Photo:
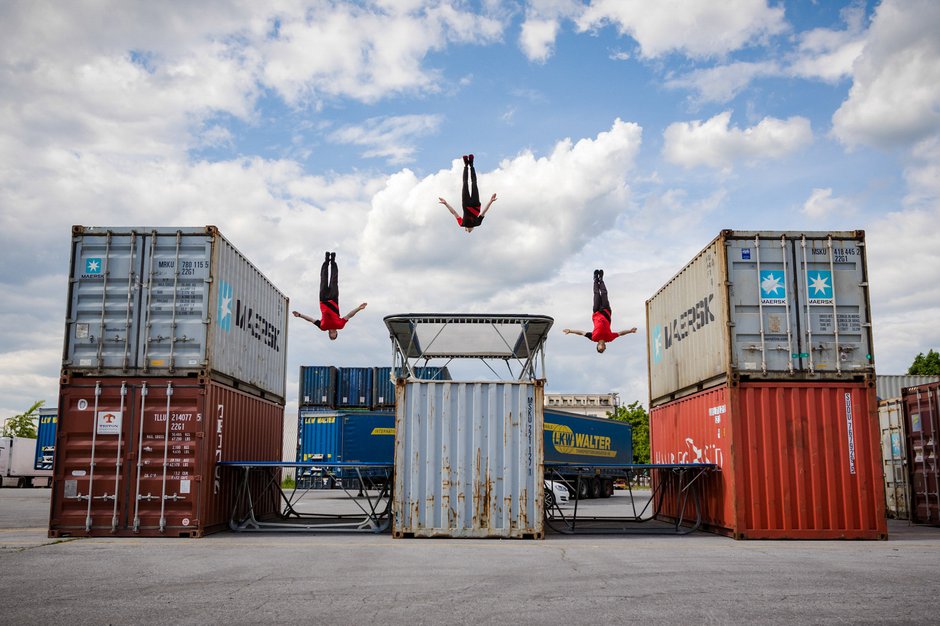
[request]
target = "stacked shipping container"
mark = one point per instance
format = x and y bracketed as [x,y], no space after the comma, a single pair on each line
[922,422]
[174,360]
[760,360]
[325,387]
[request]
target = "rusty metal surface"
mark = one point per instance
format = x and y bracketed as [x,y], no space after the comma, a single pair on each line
[894,456]
[468,459]
[922,417]
[798,460]
[148,476]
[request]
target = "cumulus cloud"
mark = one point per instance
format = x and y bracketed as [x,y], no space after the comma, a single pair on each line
[695,28]
[895,95]
[713,143]
[543,19]
[722,83]
[822,205]
[547,207]
[829,54]
[392,138]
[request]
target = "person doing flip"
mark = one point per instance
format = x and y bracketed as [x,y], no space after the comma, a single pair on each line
[472,215]
[602,332]
[330,321]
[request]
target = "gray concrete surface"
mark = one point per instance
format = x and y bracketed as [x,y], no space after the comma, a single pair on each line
[340,579]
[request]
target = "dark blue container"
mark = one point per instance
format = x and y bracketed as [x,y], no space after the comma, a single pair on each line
[354,387]
[45,438]
[572,438]
[317,386]
[338,437]
[383,396]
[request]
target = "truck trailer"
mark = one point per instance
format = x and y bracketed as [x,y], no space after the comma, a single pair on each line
[591,441]
[17,460]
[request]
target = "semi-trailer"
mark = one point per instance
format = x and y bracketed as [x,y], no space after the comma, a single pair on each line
[17,460]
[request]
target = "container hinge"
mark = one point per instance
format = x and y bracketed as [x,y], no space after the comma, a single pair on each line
[200,434]
[864,284]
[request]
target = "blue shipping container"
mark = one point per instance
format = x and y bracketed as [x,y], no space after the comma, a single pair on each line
[572,438]
[384,394]
[338,437]
[45,438]
[354,387]
[317,385]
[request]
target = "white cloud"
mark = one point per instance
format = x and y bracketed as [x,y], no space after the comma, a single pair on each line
[713,143]
[695,28]
[392,138]
[895,95]
[822,205]
[830,54]
[722,83]
[540,27]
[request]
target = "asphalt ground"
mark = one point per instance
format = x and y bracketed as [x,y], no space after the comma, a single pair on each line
[237,578]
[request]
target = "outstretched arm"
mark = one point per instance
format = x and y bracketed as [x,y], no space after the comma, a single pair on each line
[626,332]
[349,315]
[488,205]
[569,331]
[449,208]
[304,317]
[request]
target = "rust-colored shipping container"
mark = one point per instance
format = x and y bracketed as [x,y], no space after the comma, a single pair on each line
[922,419]
[146,451]
[797,460]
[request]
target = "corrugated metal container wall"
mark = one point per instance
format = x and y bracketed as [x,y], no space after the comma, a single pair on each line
[894,455]
[768,305]
[320,436]
[798,460]
[149,476]
[317,385]
[922,419]
[354,387]
[889,386]
[45,438]
[384,386]
[468,459]
[172,302]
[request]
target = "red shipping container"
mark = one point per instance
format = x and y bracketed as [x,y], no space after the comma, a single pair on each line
[148,475]
[797,460]
[922,423]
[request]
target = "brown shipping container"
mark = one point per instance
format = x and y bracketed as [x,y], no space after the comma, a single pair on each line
[922,419]
[797,460]
[111,444]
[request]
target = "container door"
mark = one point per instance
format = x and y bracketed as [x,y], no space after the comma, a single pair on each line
[104,302]
[832,283]
[894,455]
[91,491]
[175,301]
[763,308]
[922,413]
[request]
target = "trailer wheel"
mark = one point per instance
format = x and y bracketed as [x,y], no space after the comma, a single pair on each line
[607,489]
[584,489]
[21,483]
[596,488]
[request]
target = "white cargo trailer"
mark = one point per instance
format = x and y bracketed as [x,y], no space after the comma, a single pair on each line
[173,302]
[17,463]
[762,305]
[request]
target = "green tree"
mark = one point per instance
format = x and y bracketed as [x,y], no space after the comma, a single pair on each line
[24,424]
[635,415]
[925,364]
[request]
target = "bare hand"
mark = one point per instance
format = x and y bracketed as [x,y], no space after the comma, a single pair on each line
[443,201]
[632,330]
[493,199]
[295,313]
[567,331]
[363,305]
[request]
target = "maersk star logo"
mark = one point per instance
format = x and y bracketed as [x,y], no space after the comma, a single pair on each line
[819,285]
[657,342]
[225,306]
[93,266]
[773,290]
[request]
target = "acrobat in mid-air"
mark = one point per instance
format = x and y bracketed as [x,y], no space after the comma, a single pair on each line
[602,332]
[472,213]
[330,321]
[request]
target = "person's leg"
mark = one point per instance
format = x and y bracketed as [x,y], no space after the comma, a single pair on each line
[601,302]
[333,290]
[465,191]
[474,192]
[324,279]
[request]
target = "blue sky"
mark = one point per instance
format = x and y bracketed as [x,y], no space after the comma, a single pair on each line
[617,134]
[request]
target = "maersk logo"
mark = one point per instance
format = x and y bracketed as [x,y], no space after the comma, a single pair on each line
[773,290]
[819,286]
[656,342]
[225,306]
[93,265]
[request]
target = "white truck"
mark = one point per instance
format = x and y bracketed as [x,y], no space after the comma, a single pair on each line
[17,461]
